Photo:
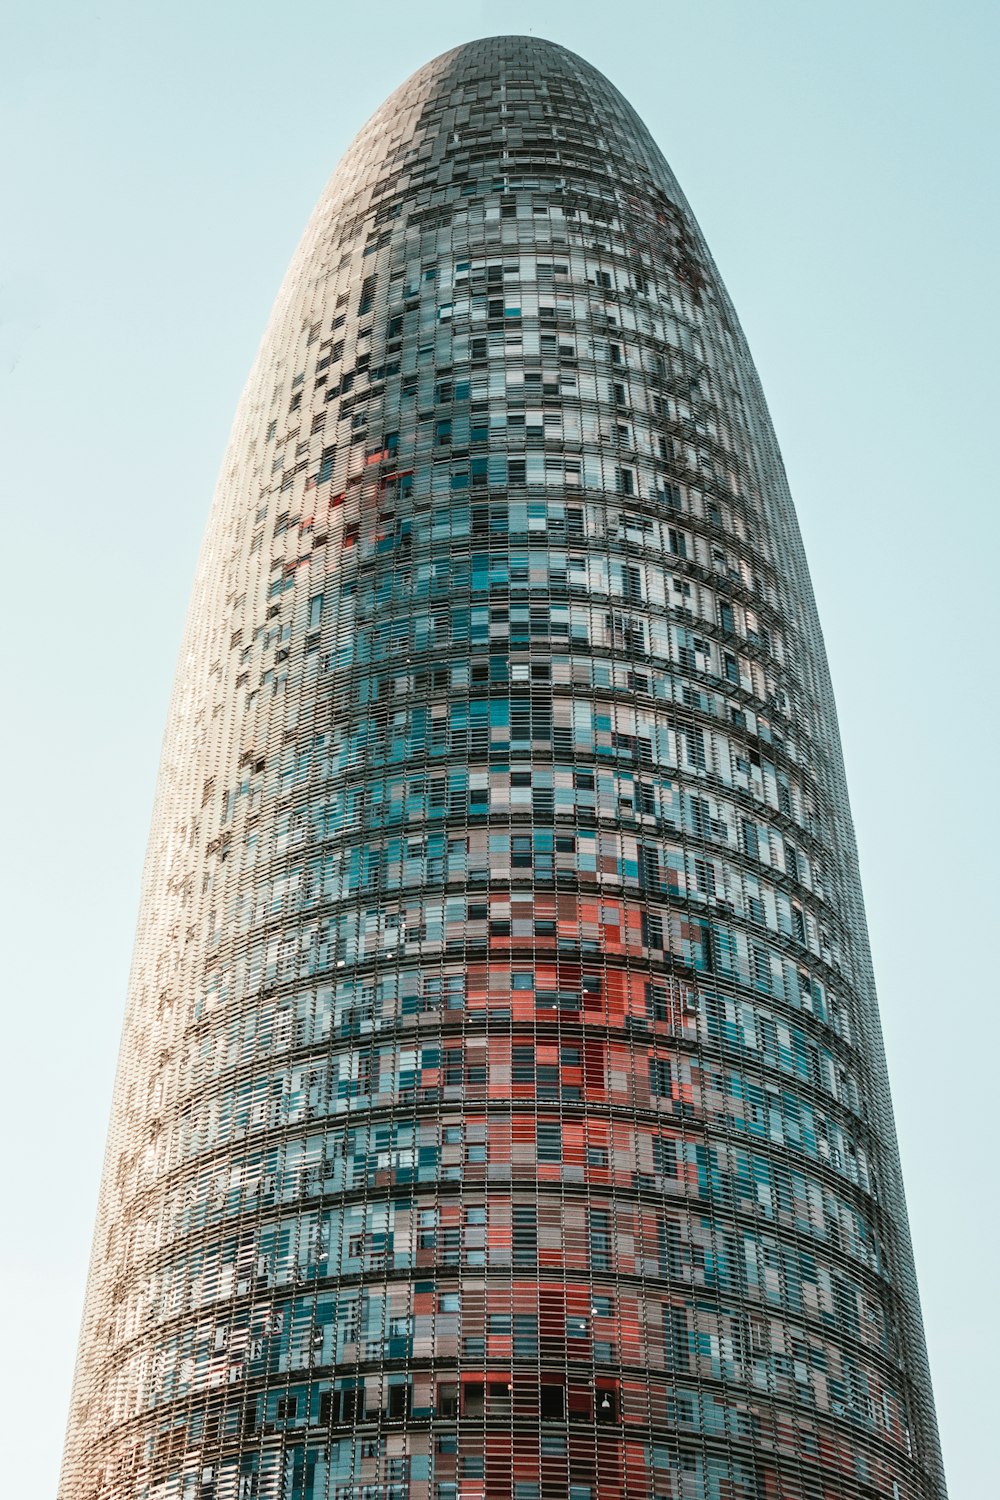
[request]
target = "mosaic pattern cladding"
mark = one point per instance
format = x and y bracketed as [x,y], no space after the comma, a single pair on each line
[501,1110]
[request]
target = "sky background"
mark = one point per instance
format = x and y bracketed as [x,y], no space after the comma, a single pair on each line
[159,164]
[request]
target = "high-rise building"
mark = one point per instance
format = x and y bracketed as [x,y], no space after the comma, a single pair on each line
[502,1109]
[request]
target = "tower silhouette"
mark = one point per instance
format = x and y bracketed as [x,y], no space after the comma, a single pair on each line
[502,1109]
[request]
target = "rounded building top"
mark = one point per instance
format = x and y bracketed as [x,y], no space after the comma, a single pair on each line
[486,53]
[538,92]
[497,116]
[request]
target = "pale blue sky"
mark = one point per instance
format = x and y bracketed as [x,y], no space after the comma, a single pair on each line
[160,162]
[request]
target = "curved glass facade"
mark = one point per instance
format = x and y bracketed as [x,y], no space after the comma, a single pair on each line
[501,1108]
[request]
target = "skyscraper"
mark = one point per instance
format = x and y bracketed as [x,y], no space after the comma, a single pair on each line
[502,1109]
